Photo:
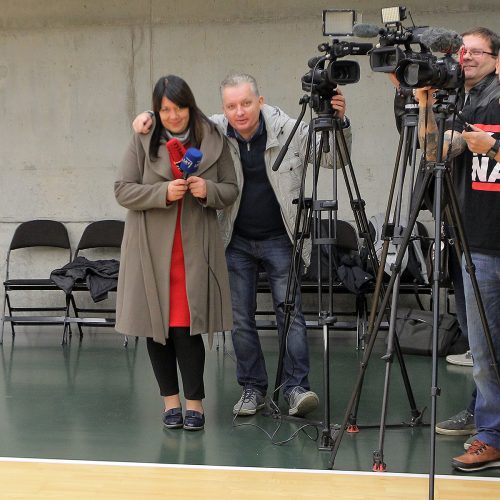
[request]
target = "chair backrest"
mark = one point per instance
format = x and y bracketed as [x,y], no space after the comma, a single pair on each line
[346,243]
[102,234]
[40,233]
[346,236]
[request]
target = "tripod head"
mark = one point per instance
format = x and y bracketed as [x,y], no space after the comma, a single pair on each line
[446,102]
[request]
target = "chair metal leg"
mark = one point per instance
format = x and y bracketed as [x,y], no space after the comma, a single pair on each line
[3,317]
[66,324]
[75,309]
[10,314]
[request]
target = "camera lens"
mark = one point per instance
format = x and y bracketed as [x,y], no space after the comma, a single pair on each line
[411,74]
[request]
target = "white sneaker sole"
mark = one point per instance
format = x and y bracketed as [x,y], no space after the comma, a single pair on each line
[455,432]
[488,465]
[459,360]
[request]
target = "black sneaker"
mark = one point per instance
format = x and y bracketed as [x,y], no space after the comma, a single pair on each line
[460,424]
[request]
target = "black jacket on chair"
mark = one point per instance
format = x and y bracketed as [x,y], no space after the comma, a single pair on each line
[100,276]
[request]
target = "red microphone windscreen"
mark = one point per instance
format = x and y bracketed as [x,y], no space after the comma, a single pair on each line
[176,150]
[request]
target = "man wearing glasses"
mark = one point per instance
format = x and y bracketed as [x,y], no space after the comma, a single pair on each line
[477,175]
[482,87]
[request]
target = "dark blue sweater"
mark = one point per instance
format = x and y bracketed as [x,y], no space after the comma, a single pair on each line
[259,214]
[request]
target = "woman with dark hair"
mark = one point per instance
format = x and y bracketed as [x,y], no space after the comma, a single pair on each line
[173,283]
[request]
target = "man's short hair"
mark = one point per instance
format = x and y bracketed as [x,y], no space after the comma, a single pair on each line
[235,79]
[490,36]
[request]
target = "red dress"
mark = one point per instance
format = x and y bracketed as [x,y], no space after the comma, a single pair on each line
[179,306]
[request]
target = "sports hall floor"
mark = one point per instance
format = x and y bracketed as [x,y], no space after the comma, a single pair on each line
[84,420]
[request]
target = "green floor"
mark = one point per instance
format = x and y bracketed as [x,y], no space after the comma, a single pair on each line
[96,400]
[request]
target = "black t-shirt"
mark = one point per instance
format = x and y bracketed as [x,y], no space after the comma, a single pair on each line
[481,188]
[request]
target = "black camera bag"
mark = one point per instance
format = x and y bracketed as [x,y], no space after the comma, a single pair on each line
[414,331]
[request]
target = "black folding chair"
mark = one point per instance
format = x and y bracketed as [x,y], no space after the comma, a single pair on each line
[49,234]
[99,235]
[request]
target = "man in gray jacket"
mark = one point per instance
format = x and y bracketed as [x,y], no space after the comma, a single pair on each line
[258,233]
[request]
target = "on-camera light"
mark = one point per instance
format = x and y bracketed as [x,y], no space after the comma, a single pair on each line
[392,15]
[338,22]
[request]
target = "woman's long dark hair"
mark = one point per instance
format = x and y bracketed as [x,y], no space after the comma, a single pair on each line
[177,90]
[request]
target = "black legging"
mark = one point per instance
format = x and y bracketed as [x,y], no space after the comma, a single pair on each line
[186,350]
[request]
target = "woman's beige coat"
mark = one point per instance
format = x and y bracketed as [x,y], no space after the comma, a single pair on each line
[143,283]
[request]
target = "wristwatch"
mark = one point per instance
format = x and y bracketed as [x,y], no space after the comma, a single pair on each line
[494,150]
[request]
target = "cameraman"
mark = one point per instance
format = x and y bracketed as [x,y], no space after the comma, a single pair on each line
[258,232]
[476,169]
[481,88]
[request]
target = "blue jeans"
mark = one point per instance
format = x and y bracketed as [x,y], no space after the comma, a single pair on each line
[487,411]
[243,260]
[455,271]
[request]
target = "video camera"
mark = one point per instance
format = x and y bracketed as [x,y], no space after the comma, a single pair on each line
[388,53]
[322,81]
[445,73]
[414,69]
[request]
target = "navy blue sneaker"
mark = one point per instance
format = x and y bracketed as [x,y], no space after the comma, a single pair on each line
[172,419]
[194,420]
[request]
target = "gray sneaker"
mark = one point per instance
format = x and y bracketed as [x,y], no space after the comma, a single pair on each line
[460,424]
[250,401]
[301,402]
[460,359]
[469,441]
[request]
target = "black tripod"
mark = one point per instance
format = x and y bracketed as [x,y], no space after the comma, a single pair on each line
[439,173]
[391,232]
[312,212]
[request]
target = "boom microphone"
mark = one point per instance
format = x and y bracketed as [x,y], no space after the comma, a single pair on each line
[176,150]
[190,162]
[442,40]
[367,30]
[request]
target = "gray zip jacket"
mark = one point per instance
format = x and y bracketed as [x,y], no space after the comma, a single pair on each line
[286,181]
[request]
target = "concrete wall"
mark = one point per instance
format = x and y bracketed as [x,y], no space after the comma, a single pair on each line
[73,74]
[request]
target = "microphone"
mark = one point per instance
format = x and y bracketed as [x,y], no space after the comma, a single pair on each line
[441,40]
[367,30]
[176,150]
[190,162]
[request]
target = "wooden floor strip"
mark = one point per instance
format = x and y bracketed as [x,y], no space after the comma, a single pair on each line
[63,479]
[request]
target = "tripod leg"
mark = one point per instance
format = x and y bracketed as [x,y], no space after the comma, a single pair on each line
[436,284]
[326,436]
[304,217]
[404,154]
[409,138]
[372,337]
